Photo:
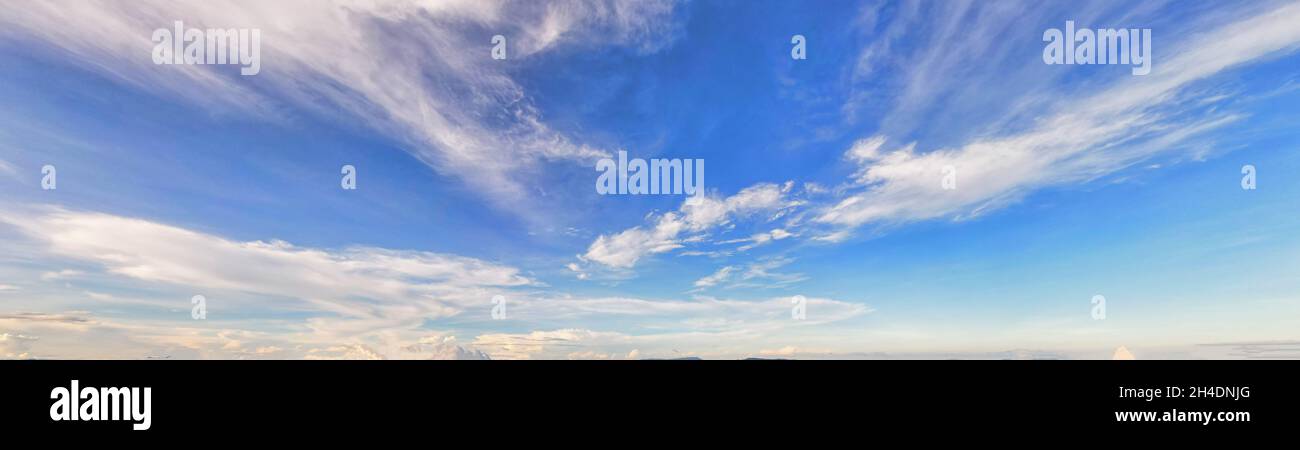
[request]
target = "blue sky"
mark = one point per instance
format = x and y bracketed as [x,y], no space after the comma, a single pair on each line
[475,179]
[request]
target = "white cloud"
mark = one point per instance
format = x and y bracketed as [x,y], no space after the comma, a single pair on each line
[420,71]
[345,352]
[665,312]
[697,214]
[759,239]
[788,350]
[360,302]
[765,270]
[380,285]
[1087,138]
[578,271]
[445,348]
[624,249]
[867,149]
[589,354]
[539,343]
[43,335]
[16,346]
[61,275]
[732,327]
[758,274]
[715,278]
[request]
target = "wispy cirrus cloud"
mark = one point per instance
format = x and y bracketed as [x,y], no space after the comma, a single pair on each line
[418,71]
[1076,140]
[714,278]
[1121,125]
[759,274]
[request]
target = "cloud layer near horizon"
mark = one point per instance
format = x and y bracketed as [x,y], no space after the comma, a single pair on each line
[371,298]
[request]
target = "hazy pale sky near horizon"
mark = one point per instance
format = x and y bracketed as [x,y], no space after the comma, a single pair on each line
[823,176]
